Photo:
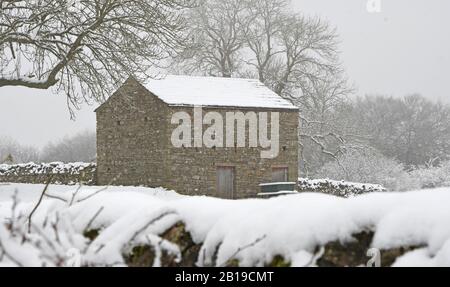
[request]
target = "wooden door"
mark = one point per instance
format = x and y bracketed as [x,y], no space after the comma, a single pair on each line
[279,174]
[225,182]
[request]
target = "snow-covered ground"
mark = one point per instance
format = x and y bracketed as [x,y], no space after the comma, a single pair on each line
[32,192]
[292,226]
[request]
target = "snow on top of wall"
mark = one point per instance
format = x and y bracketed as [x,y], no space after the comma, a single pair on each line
[318,183]
[42,168]
[291,226]
[216,92]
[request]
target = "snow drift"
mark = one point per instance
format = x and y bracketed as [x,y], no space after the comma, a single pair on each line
[296,228]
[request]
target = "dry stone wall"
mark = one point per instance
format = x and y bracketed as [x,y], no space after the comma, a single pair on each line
[58,173]
[337,188]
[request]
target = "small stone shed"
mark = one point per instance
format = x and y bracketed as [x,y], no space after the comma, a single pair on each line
[135,129]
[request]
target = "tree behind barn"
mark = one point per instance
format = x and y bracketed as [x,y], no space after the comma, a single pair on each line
[413,130]
[11,152]
[294,55]
[78,148]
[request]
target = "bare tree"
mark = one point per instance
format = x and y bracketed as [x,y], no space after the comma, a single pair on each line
[258,38]
[297,57]
[294,55]
[324,132]
[85,48]
[289,51]
[262,34]
[414,130]
[78,148]
[366,166]
[216,38]
[12,152]
[310,51]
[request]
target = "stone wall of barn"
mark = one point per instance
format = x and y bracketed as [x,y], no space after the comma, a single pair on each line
[131,140]
[134,148]
[193,171]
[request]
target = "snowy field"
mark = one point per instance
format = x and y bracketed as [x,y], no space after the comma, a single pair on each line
[293,226]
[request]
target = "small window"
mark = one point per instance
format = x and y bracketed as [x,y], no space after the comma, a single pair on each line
[280,174]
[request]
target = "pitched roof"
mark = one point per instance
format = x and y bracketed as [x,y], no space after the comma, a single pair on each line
[217,92]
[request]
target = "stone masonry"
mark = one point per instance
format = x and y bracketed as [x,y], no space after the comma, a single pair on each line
[134,148]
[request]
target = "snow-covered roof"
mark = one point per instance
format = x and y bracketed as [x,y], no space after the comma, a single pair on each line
[217,92]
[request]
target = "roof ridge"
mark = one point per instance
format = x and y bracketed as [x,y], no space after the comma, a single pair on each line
[213,78]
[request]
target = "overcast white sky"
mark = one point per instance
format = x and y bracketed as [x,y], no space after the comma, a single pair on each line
[402,50]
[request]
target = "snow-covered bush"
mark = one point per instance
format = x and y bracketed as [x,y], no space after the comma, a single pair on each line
[57,234]
[366,166]
[372,167]
[48,243]
[431,177]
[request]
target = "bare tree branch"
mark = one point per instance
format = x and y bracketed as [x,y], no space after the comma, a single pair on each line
[38,203]
[86,48]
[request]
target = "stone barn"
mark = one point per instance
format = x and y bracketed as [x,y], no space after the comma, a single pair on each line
[138,136]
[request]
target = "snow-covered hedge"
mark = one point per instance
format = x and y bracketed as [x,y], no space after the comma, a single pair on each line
[69,173]
[338,188]
[116,228]
[429,177]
